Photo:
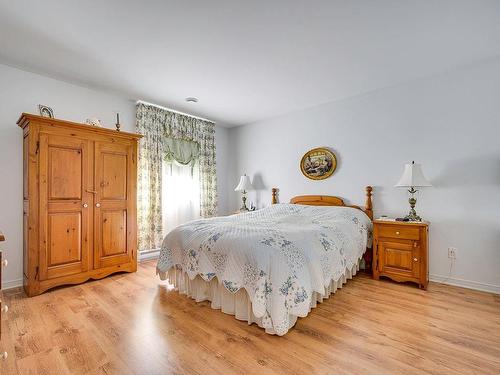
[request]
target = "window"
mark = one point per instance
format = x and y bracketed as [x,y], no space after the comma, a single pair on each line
[180,194]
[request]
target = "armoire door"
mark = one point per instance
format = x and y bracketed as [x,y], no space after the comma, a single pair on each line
[114,204]
[65,207]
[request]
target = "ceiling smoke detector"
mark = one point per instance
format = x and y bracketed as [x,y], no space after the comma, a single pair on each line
[191,99]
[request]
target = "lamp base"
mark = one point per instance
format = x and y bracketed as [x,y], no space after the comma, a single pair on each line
[244,202]
[412,215]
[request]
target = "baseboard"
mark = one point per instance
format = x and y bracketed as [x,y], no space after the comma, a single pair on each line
[148,255]
[12,284]
[465,283]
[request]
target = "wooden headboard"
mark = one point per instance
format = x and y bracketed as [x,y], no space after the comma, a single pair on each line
[327,200]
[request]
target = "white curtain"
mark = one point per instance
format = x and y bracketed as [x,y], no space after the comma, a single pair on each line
[180,194]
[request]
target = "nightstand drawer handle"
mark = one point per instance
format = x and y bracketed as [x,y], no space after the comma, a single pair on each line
[5,262]
[5,308]
[397,232]
[415,259]
[3,356]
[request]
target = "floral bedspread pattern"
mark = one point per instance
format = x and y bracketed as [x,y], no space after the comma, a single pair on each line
[280,254]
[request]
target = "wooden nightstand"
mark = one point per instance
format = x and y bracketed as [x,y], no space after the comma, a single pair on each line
[400,251]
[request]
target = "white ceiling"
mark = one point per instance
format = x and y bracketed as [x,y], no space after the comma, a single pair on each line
[245,60]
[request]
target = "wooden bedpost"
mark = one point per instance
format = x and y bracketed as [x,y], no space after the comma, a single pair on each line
[368,255]
[368,204]
[274,200]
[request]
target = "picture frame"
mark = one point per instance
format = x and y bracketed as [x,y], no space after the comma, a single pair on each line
[318,163]
[45,111]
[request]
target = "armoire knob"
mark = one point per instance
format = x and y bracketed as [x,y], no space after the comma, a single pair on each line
[85,205]
[5,308]
[5,262]
[98,205]
[3,356]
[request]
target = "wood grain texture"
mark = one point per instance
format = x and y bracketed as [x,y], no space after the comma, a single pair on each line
[114,220]
[317,200]
[26,118]
[274,198]
[3,305]
[401,251]
[1,296]
[133,324]
[79,208]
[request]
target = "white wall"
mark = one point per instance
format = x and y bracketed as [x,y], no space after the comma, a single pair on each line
[449,123]
[21,91]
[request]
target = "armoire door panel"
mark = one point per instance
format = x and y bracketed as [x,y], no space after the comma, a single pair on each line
[114,234]
[64,234]
[114,175]
[113,227]
[65,172]
[65,218]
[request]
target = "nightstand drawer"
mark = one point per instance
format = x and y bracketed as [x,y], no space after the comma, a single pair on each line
[404,232]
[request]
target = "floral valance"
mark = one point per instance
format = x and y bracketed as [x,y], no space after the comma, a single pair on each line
[181,151]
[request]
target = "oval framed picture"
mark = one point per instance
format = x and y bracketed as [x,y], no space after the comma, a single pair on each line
[318,163]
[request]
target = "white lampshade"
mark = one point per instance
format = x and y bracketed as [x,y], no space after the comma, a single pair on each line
[244,184]
[413,176]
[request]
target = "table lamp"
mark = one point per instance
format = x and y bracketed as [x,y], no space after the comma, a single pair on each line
[244,186]
[412,177]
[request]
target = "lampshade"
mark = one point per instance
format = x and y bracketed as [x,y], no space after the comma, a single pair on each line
[412,176]
[244,184]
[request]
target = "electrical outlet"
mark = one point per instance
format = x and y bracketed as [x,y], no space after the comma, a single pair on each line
[452,252]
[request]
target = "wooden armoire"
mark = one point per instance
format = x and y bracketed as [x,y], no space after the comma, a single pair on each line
[80,219]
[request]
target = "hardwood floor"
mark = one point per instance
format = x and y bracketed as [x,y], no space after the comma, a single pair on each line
[132,324]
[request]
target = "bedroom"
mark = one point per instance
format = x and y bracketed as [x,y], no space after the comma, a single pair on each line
[141,117]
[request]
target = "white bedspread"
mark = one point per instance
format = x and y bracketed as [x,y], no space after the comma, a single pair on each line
[280,255]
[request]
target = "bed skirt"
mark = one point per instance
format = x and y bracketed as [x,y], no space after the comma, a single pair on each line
[239,304]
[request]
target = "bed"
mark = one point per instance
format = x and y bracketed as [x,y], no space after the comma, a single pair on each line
[273,265]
